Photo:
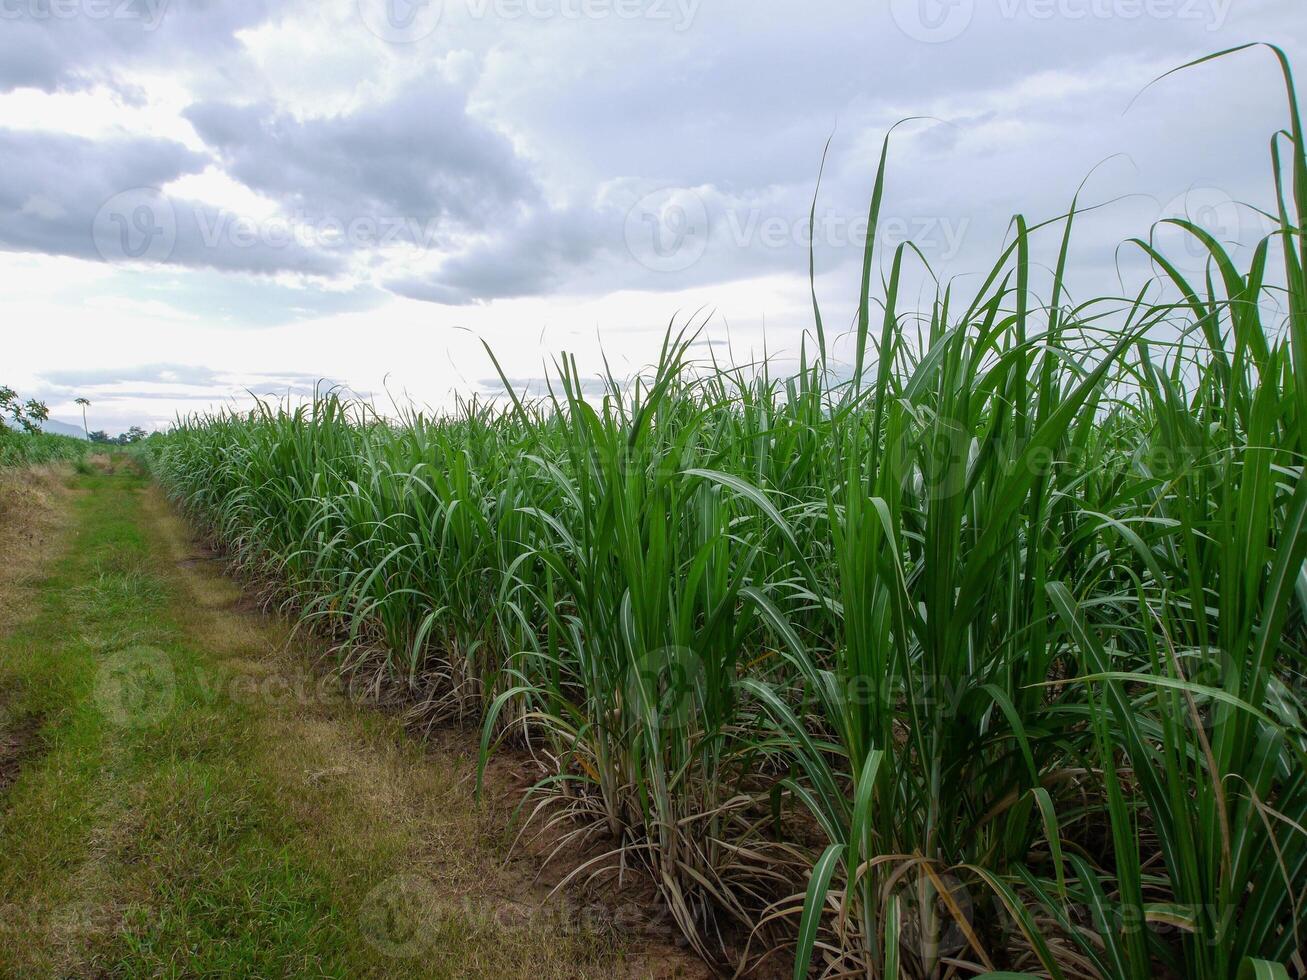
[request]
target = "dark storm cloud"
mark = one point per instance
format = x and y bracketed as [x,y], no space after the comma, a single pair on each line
[55,184]
[428,173]
[607,122]
[99,200]
[532,256]
[417,160]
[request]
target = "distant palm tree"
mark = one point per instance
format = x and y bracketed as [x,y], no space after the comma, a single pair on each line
[84,403]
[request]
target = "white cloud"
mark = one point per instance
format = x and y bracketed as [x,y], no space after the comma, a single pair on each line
[511,149]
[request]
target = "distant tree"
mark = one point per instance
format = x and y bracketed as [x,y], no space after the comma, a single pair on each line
[85,403]
[26,415]
[135,434]
[99,435]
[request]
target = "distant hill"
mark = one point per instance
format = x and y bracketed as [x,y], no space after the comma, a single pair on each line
[63,429]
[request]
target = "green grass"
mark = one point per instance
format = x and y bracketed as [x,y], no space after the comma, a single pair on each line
[167,822]
[991,654]
[28,449]
[120,829]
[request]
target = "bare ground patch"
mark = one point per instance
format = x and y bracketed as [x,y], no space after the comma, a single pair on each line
[18,742]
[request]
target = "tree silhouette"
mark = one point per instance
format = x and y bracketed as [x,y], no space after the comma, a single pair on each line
[84,402]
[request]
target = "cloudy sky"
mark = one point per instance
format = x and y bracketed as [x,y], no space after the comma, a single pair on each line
[205,197]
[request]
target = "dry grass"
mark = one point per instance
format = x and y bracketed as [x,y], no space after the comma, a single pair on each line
[369,790]
[31,502]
